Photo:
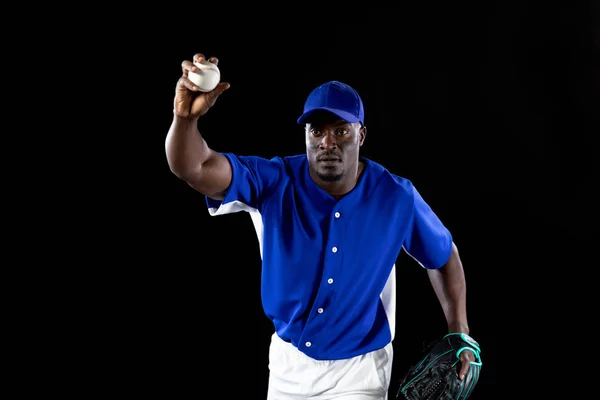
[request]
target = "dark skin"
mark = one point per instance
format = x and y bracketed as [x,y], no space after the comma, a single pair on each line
[451,290]
[332,149]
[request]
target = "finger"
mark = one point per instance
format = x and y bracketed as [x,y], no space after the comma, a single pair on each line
[464,369]
[465,361]
[188,84]
[199,57]
[187,66]
[214,60]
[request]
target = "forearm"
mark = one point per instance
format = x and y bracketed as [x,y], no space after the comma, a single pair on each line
[186,149]
[450,287]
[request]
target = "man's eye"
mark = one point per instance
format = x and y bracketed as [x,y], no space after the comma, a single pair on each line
[341,132]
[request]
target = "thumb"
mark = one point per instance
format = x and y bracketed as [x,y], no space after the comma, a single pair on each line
[216,92]
[221,87]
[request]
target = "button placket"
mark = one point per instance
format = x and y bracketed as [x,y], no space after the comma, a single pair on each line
[334,249]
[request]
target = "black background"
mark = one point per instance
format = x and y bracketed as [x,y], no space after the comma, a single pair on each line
[491,110]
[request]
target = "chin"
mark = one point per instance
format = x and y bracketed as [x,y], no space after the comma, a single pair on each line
[330,176]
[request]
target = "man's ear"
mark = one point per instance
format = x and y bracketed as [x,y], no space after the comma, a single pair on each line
[363,134]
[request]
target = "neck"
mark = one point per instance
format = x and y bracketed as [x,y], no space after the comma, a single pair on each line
[344,186]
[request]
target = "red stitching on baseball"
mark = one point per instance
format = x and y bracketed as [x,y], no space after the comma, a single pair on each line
[210,69]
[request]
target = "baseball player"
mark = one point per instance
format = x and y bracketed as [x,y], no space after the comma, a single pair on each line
[330,225]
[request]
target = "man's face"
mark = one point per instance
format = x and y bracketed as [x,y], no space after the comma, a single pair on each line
[332,146]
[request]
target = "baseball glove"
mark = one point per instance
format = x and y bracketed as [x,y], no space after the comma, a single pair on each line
[435,376]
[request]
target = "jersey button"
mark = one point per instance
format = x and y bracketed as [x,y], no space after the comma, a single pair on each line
[308,344]
[320,311]
[337,214]
[334,249]
[330,281]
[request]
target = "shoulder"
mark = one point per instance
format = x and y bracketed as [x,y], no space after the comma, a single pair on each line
[293,165]
[272,168]
[389,180]
[255,162]
[294,161]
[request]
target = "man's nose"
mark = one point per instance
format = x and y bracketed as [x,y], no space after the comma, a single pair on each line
[329,141]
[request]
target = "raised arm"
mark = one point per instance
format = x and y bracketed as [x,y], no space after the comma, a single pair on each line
[188,155]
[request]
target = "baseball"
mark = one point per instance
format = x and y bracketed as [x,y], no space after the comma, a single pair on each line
[207,77]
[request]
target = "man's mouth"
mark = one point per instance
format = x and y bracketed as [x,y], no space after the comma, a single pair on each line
[329,159]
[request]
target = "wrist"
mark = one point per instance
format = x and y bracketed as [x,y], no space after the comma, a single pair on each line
[184,118]
[458,328]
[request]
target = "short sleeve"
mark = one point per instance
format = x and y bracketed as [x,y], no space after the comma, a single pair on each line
[428,241]
[253,178]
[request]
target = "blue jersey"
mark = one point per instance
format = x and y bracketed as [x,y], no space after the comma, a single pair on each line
[328,266]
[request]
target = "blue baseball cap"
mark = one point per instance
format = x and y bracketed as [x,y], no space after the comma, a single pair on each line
[337,98]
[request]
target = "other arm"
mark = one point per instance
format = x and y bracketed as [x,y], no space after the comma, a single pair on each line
[450,287]
[429,243]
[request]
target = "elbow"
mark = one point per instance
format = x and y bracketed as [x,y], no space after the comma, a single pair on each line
[453,259]
[184,169]
[181,164]
[177,169]
[454,251]
[185,173]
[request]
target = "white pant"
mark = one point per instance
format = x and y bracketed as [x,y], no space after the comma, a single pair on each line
[295,376]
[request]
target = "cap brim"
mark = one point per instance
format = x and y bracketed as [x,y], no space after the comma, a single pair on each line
[346,116]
